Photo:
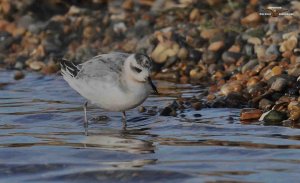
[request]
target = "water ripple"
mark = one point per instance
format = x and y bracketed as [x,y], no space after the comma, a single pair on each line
[42,140]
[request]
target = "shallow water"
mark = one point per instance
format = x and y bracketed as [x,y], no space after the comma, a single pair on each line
[42,140]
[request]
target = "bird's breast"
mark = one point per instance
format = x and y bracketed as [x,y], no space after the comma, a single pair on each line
[120,99]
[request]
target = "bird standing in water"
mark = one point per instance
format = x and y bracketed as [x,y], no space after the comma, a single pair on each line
[113,82]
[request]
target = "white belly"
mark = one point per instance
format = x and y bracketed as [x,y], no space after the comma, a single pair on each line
[110,96]
[117,100]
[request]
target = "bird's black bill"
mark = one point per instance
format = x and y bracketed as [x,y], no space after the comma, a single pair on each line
[152,85]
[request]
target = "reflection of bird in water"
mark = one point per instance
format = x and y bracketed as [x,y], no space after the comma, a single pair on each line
[275,12]
[135,163]
[119,143]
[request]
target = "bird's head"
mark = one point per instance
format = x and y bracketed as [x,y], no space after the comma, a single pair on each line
[139,67]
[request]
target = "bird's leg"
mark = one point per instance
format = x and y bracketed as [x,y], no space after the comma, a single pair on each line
[123,115]
[124,120]
[86,124]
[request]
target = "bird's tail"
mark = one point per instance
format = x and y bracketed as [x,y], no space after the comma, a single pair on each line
[68,67]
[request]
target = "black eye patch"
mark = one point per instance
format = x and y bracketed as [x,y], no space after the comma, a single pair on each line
[138,70]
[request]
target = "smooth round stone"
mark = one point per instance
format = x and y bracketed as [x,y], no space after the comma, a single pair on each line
[250,114]
[19,65]
[265,104]
[279,84]
[19,75]
[273,117]
[142,109]
[36,65]
[273,50]
[209,57]
[277,70]
[195,55]
[251,19]
[216,46]
[230,57]
[249,65]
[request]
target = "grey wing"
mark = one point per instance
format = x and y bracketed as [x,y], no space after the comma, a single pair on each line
[103,66]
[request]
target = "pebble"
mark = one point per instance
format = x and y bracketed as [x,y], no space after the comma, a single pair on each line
[276,38]
[50,68]
[271,54]
[212,69]
[265,104]
[216,46]
[142,28]
[6,7]
[36,65]
[228,88]
[210,97]
[120,28]
[260,52]
[218,76]
[194,15]
[249,65]
[279,84]
[74,10]
[19,65]
[128,5]
[163,51]
[267,74]
[254,40]
[197,105]
[252,19]
[289,44]
[171,76]
[273,117]
[277,70]
[230,57]
[19,75]
[52,44]
[294,70]
[294,111]
[249,50]
[182,53]
[235,48]
[252,81]
[235,100]
[213,2]
[89,32]
[209,57]
[6,40]
[170,110]
[195,55]
[293,91]
[194,73]
[19,31]
[173,50]
[250,114]
[141,109]
[209,33]
[130,45]
[281,106]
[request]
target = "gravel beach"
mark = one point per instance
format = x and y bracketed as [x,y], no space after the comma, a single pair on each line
[247,53]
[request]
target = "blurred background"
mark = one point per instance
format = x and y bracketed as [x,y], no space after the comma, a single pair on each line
[213,60]
[206,36]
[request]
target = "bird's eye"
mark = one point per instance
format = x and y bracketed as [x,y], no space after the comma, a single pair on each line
[138,70]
